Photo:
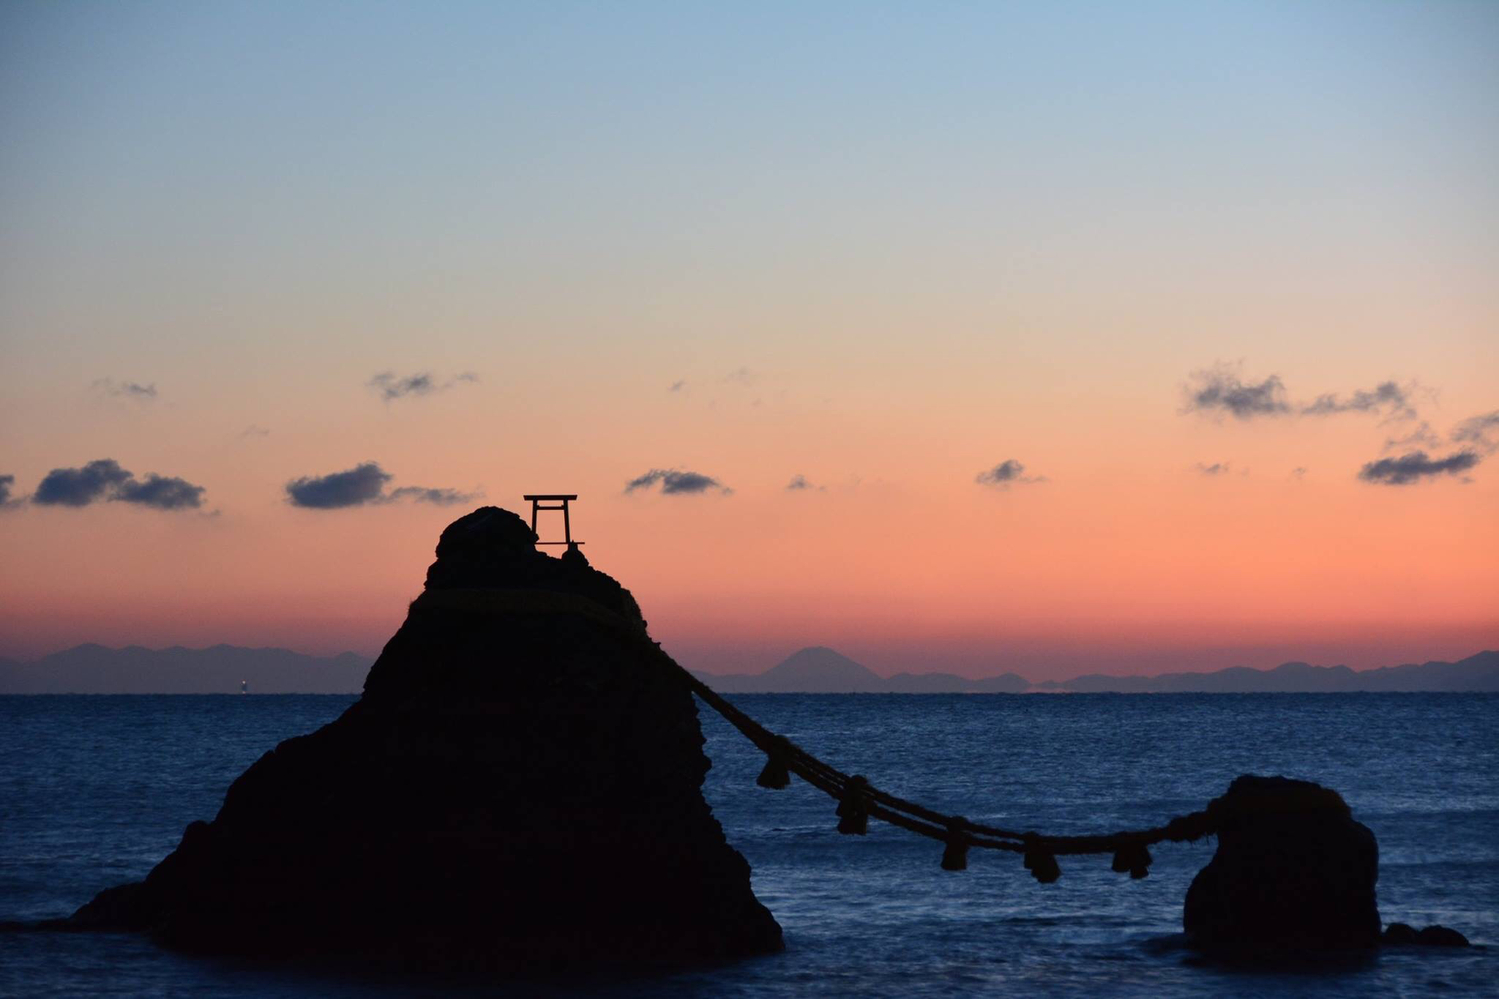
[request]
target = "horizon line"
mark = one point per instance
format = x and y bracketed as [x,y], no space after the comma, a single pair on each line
[711,673]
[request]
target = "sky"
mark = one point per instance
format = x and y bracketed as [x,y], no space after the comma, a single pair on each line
[1047,338]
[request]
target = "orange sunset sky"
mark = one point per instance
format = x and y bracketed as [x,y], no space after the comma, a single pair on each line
[1049,339]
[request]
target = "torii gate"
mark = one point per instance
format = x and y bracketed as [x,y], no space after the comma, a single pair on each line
[560,500]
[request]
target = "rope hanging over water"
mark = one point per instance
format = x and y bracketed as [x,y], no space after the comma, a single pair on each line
[859,801]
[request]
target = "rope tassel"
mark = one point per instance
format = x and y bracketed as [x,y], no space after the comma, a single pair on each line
[1134,858]
[775,775]
[955,855]
[1042,864]
[853,810]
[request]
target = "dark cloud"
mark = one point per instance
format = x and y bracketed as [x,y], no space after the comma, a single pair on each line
[421,494]
[7,483]
[80,486]
[106,480]
[1216,468]
[1415,466]
[1386,397]
[1219,389]
[131,390]
[1480,431]
[674,481]
[363,485]
[393,386]
[161,492]
[1476,437]
[359,485]
[1005,474]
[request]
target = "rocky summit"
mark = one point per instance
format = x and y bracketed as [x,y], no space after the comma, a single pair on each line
[518,789]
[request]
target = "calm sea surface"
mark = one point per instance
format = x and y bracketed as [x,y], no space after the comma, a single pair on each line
[95,790]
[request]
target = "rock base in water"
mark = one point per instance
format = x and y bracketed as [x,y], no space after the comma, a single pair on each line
[519,789]
[1405,935]
[1293,873]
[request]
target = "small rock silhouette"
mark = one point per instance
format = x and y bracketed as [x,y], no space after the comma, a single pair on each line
[1293,872]
[1405,935]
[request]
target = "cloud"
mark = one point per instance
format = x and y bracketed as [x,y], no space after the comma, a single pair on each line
[7,483]
[1005,474]
[799,483]
[743,376]
[1422,436]
[106,480]
[255,431]
[80,486]
[422,494]
[161,492]
[1220,389]
[1216,468]
[1299,472]
[1480,431]
[675,482]
[364,483]
[1415,466]
[393,386]
[130,390]
[678,385]
[1384,396]
[1475,438]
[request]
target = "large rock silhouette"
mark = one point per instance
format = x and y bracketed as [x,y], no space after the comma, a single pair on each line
[1293,873]
[519,788]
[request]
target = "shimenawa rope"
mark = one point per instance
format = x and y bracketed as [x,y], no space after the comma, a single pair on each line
[859,801]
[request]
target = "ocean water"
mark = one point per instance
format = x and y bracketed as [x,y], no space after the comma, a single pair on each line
[95,790]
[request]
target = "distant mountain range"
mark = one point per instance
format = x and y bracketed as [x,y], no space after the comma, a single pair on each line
[823,671]
[94,669]
[820,670]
